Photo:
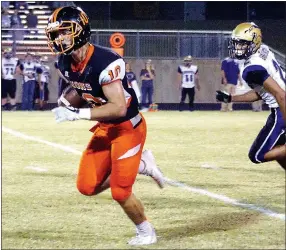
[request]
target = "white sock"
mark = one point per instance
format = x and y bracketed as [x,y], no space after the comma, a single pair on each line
[142,167]
[144,228]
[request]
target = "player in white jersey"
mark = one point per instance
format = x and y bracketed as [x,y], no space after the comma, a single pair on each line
[44,71]
[188,78]
[38,64]
[267,80]
[9,86]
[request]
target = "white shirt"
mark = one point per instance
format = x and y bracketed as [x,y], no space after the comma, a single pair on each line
[29,68]
[45,74]
[188,75]
[9,67]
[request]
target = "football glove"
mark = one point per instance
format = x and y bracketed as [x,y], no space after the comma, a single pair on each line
[222,96]
[66,114]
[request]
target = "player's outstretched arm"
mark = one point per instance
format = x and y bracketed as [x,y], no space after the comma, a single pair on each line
[273,88]
[250,96]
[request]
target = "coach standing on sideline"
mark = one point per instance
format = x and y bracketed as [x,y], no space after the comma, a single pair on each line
[147,77]
[230,75]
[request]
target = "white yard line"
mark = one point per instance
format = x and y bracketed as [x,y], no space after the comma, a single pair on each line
[175,183]
[37,169]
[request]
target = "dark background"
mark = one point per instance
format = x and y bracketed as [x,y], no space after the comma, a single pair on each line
[269,16]
[172,10]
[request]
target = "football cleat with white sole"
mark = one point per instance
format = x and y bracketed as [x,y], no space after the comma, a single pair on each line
[143,239]
[151,169]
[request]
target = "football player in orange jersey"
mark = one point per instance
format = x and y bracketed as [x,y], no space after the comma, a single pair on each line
[113,154]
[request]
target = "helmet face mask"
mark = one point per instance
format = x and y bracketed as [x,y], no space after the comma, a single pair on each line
[8,55]
[187,63]
[68,30]
[240,49]
[61,38]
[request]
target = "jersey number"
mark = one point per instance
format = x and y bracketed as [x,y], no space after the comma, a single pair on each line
[11,71]
[189,78]
[278,68]
[114,73]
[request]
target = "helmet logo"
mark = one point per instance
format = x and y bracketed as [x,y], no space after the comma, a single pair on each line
[83,18]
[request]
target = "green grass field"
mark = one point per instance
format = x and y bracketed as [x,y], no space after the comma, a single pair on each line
[44,210]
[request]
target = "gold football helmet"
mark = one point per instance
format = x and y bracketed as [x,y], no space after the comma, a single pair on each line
[8,53]
[188,58]
[245,40]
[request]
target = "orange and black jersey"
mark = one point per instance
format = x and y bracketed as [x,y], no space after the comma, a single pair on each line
[101,66]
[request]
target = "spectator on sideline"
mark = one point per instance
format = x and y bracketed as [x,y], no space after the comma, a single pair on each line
[230,76]
[16,20]
[44,82]
[32,21]
[5,5]
[38,76]
[147,77]
[16,24]
[188,79]
[131,80]
[5,19]
[19,4]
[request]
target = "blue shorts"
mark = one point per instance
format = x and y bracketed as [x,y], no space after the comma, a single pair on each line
[272,134]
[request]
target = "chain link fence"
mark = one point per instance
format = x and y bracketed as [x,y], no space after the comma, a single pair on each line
[140,44]
[168,44]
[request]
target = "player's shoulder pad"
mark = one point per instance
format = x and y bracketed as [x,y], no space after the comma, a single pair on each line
[255,59]
[255,73]
[195,68]
[113,72]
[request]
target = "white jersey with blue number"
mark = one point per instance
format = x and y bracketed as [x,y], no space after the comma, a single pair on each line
[257,68]
[45,77]
[9,68]
[30,68]
[188,75]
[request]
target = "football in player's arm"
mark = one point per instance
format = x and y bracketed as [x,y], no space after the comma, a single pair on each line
[267,80]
